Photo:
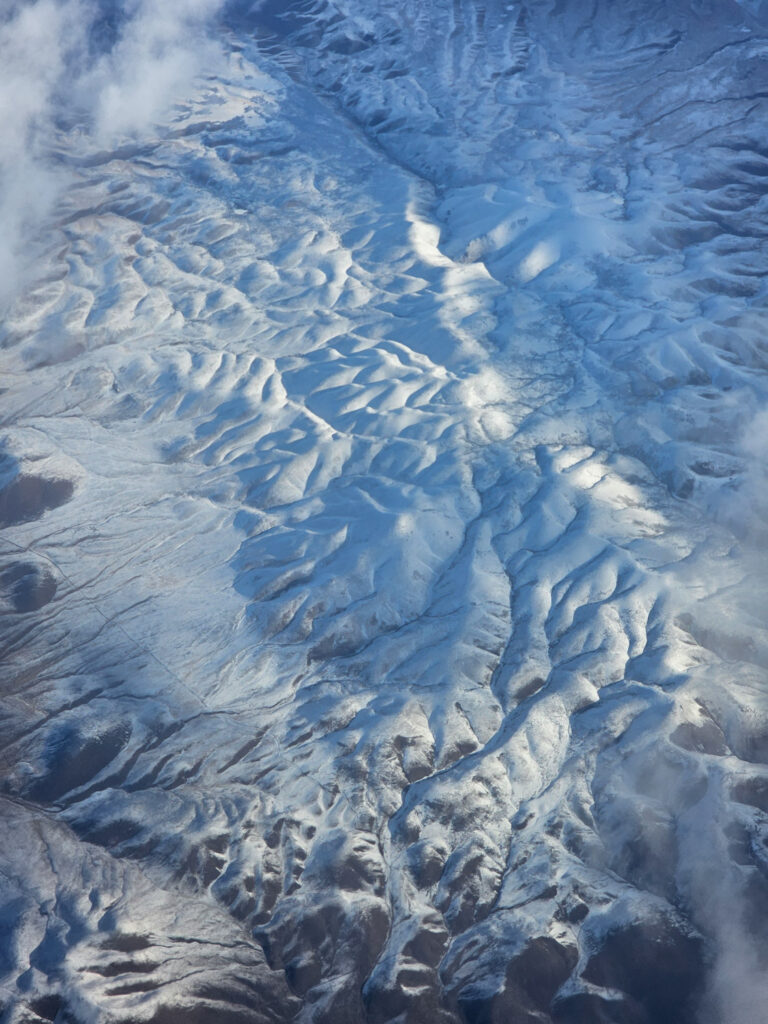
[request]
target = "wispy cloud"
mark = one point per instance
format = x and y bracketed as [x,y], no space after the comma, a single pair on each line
[159,50]
[37,43]
[58,65]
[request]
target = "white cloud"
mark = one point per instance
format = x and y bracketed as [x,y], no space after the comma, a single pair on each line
[744,509]
[37,41]
[160,49]
[48,69]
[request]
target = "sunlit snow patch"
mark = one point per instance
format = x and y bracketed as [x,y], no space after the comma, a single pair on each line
[538,260]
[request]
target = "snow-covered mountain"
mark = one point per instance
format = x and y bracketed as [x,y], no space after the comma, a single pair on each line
[383,574]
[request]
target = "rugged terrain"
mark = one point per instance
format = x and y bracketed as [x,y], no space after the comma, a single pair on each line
[383,497]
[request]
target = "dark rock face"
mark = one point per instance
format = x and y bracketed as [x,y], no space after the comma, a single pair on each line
[308,937]
[706,738]
[27,586]
[531,982]
[754,747]
[658,964]
[204,968]
[73,759]
[756,901]
[48,1007]
[588,1008]
[753,792]
[426,862]
[27,497]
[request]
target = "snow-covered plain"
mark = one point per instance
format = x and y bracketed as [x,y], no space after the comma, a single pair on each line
[383,491]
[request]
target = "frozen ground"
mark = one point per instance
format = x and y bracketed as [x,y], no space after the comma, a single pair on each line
[383,490]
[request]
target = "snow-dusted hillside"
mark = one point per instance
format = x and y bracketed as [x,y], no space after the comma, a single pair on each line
[383,572]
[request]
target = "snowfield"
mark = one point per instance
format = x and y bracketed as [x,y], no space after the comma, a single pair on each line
[383,493]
